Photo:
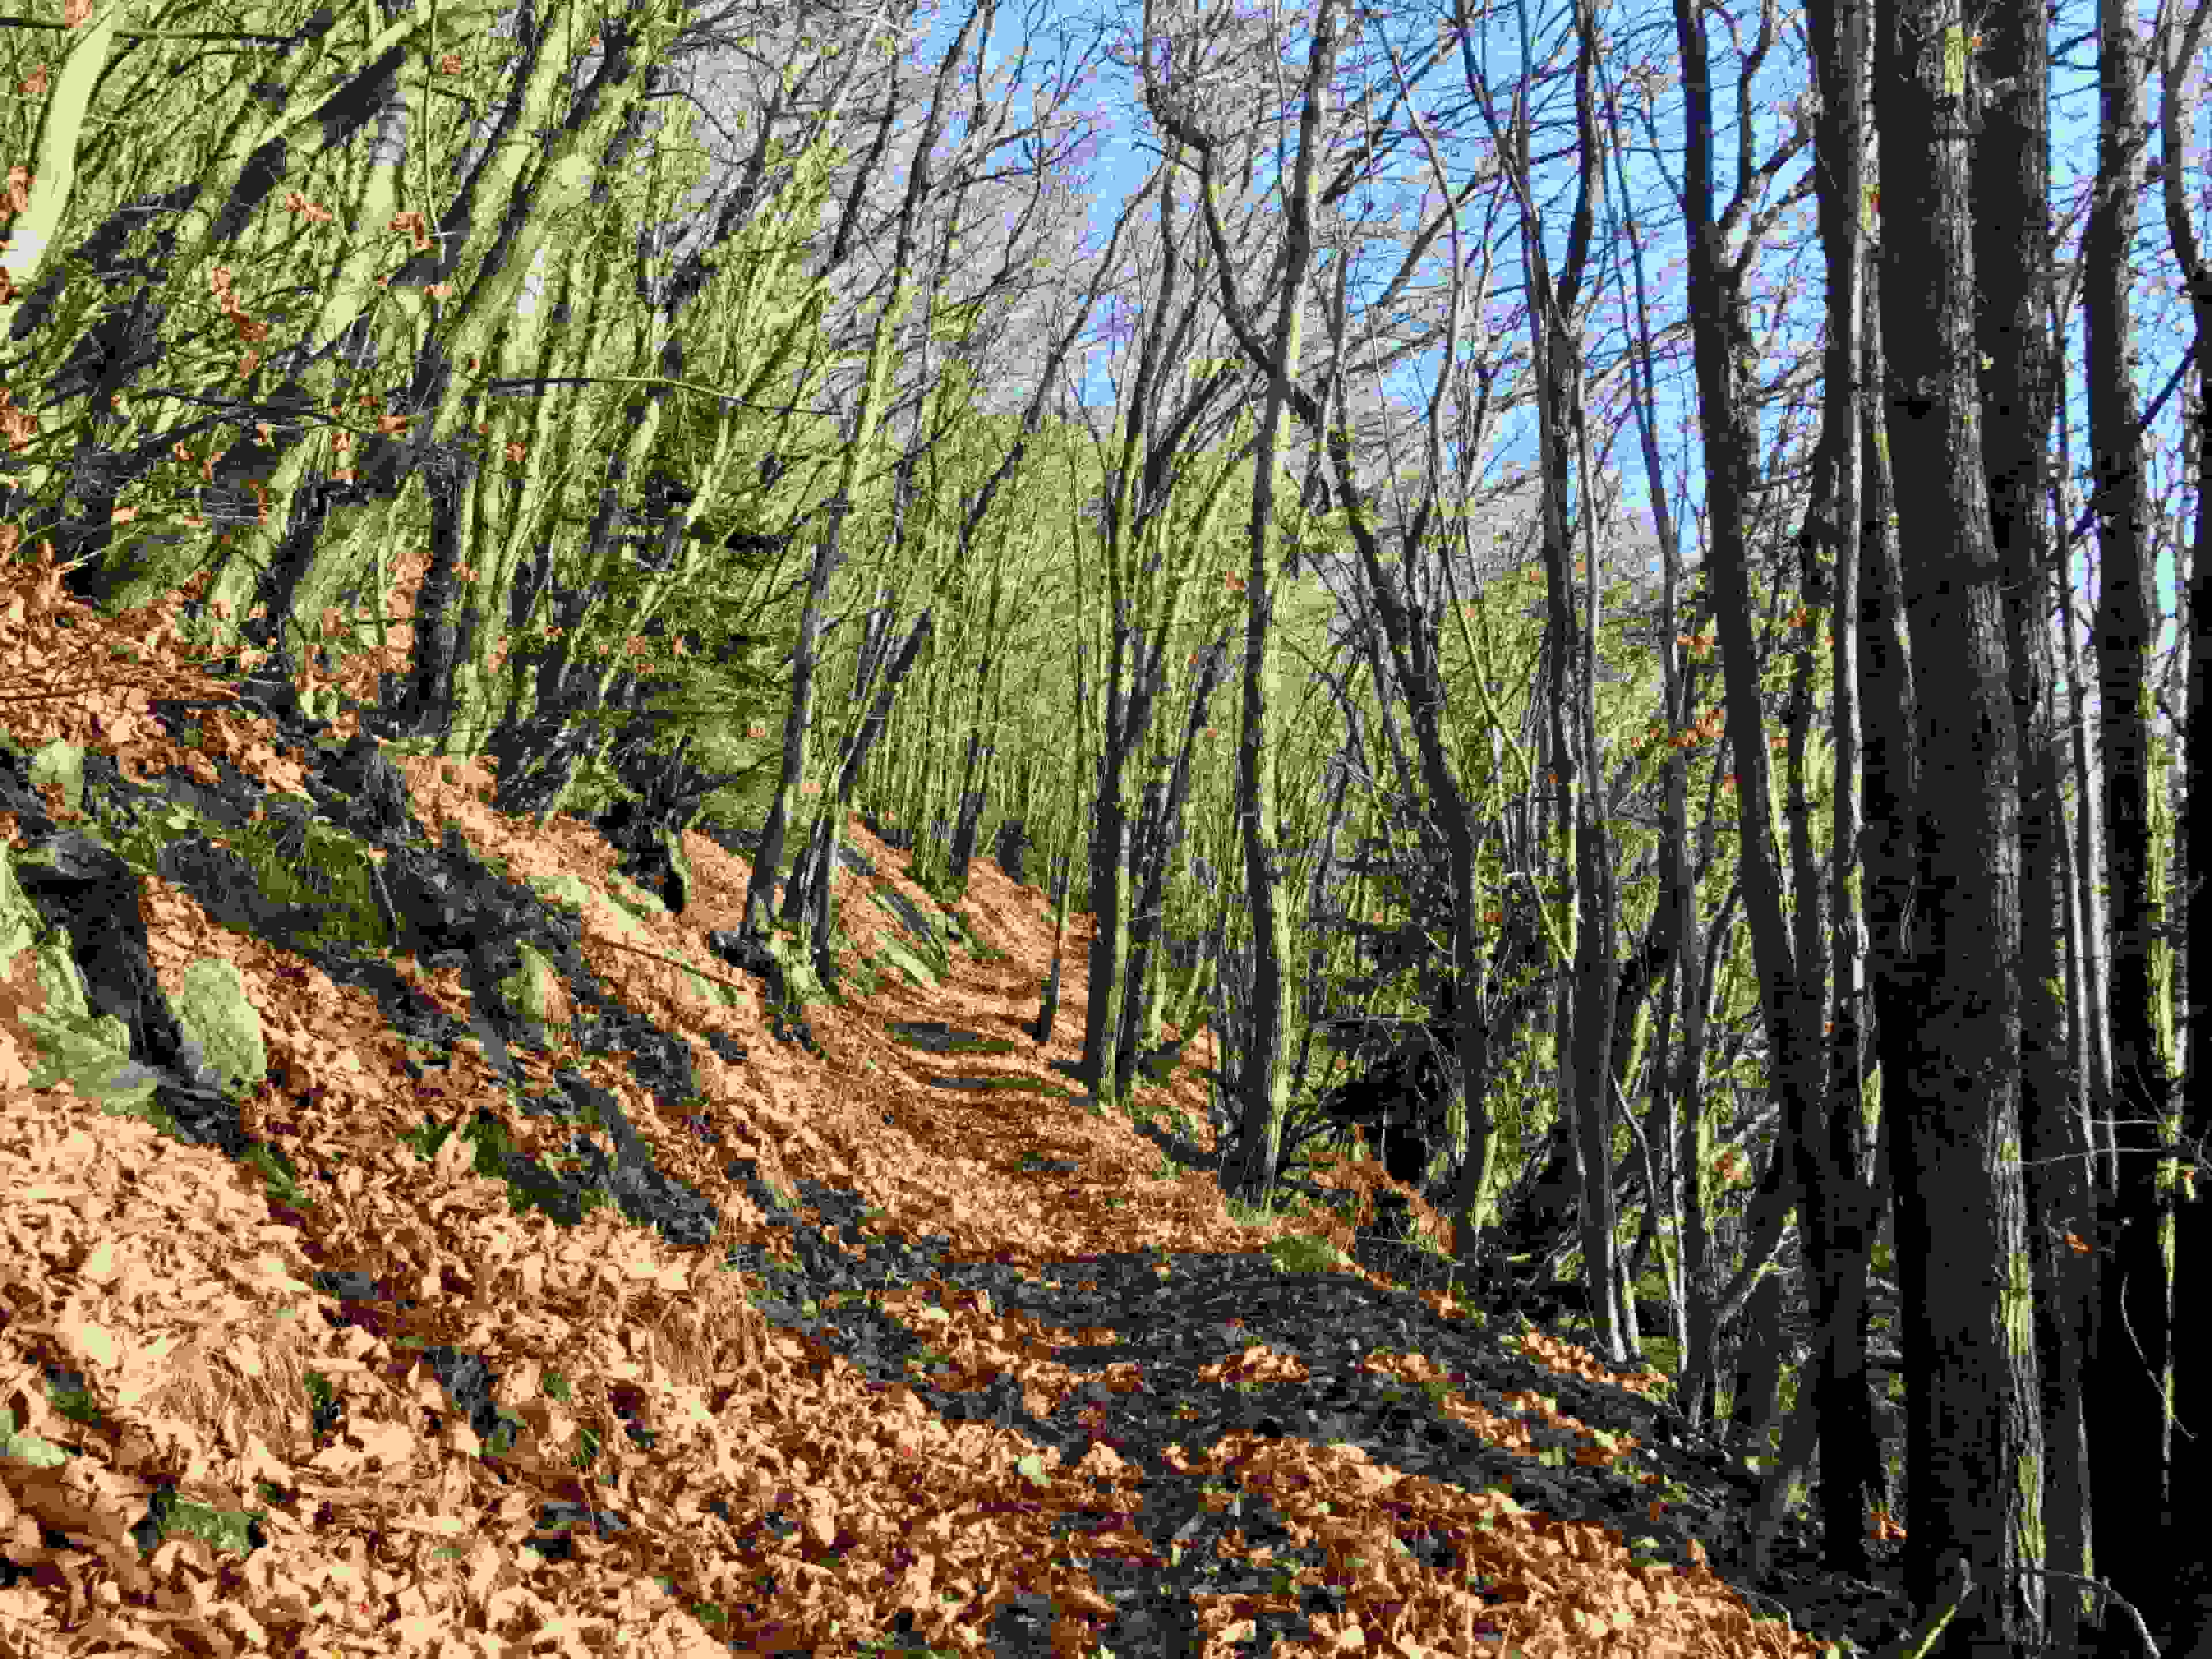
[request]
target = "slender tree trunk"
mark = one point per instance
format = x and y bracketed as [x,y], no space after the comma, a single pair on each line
[2089,913]
[1257,751]
[813,889]
[1164,402]
[1059,851]
[1889,852]
[798,725]
[1755,1396]
[2013,253]
[1675,930]
[1316,908]
[2180,51]
[2130,1419]
[1110,879]
[1597,1005]
[1850,1452]
[1148,872]
[1792,975]
[1575,767]
[2059,1170]
[1706,1260]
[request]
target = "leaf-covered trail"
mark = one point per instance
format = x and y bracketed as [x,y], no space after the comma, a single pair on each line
[720,1478]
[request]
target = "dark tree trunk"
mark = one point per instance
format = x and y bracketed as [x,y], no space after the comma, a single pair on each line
[1851,1451]
[1792,972]
[1973,1430]
[1162,829]
[2012,182]
[807,894]
[2192,1377]
[2130,1422]
[760,891]
[1063,870]
[1891,841]
[1108,956]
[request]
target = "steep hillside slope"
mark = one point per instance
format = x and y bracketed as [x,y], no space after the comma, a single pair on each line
[416,1240]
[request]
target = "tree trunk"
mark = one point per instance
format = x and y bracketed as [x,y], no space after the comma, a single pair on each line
[1792,975]
[1575,766]
[1257,750]
[1890,846]
[1109,954]
[2012,182]
[1063,873]
[798,724]
[1851,1454]
[1973,1430]
[808,892]
[1755,1396]
[1674,924]
[2179,51]
[2087,910]
[1148,874]
[2130,1419]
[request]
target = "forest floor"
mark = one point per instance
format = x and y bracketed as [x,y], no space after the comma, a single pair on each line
[969,1366]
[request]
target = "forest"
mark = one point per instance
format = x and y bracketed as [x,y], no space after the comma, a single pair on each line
[1607,596]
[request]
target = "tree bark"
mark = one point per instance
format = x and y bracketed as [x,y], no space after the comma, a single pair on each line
[798,724]
[1257,750]
[2013,254]
[1792,975]
[2180,48]
[2131,1421]
[1851,1454]
[1973,1433]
